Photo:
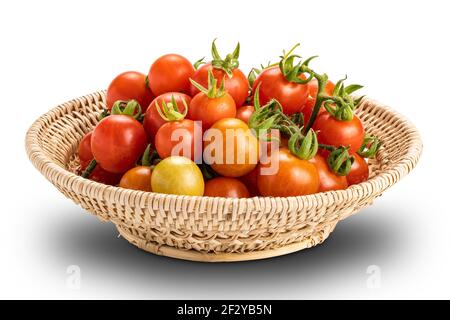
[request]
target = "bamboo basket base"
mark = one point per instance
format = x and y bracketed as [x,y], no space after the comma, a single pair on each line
[316,238]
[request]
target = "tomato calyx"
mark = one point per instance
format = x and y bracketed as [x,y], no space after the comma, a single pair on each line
[340,161]
[271,116]
[230,62]
[370,146]
[212,91]
[170,111]
[341,104]
[149,157]
[304,147]
[294,72]
[130,108]
[198,63]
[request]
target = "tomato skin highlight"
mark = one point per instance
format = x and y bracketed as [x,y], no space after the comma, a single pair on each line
[137,178]
[98,174]
[331,131]
[177,175]
[152,118]
[237,86]
[244,113]
[226,187]
[170,72]
[291,96]
[295,177]
[210,110]
[165,144]
[129,85]
[328,179]
[244,148]
[359,171]
[117,143]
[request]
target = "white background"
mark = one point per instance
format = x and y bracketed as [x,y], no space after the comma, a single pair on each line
[52,51]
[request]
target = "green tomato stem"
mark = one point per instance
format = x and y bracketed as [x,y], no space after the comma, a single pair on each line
[87,172]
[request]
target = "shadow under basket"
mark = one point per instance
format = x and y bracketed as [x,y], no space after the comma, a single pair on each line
[216,229]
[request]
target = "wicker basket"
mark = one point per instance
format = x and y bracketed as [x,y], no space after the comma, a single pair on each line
[216,229]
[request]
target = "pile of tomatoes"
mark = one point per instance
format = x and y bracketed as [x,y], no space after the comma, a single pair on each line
[156,129]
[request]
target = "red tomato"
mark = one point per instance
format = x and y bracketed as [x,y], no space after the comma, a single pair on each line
[152,119]
[237,86]
[137,178]
[98,174]
[244,113]
[251,182]
[294,177]
[337,133]
[170,72]
[84,151]
[313,88]
[117,143]
[129,85]
[328,179]
[167,140]
[210,110]
[359,171]
[226,187]
[291,96]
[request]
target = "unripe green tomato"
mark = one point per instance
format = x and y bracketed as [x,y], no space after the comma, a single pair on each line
[177,175]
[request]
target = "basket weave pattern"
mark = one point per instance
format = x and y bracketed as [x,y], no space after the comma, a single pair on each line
[216,229]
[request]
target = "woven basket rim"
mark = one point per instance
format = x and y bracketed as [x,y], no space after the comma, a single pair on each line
[52,170]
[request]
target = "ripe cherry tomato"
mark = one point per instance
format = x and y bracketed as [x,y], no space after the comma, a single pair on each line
[137,178]
[129,85]
[210,110]
[226,187]
[152,119]
[328,179]
[237,86]
[117,143]
[84,151]
[359,171]
[244,113]
[294,177]
[167,140]
[337,133]
[233,150]
[291,96]
[98,174]
[251,182]
[170,72]
[178,175]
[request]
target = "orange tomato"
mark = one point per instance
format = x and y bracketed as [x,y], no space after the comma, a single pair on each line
[137,178]
[232,149]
